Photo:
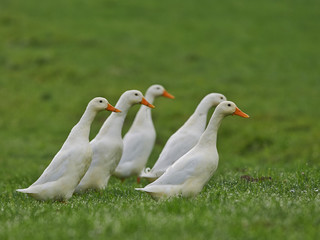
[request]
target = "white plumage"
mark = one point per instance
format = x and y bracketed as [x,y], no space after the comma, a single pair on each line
[139,140]
[185,137]
[107,145]
[63,174]
[188,175]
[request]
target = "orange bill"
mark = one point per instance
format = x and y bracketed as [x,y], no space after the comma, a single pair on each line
[168,95]
[240,113]
[145,102]
[112,108]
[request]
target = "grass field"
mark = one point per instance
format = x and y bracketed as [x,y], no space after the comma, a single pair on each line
[55,56]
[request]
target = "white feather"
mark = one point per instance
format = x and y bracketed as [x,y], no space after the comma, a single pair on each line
[63,174]
[139,140]
[192,171]
[107,146]
[185,138]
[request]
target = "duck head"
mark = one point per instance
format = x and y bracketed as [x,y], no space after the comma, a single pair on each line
[215,98]
[230,108]
[158,91]
[100,103]
[135,97]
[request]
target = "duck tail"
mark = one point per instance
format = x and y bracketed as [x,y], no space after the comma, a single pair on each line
[21,190]
[24,190]
[28,190]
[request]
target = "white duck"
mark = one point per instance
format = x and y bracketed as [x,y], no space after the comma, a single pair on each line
[139,140]
[108,144]
[188,175]
[185,138]
[65,171]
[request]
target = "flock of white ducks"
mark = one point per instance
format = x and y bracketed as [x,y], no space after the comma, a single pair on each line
[186,163]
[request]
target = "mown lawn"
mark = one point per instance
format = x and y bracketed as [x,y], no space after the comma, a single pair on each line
[55,56]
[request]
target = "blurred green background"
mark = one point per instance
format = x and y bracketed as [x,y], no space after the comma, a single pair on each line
[55,56]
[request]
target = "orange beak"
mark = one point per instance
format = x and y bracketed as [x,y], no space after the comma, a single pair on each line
[112,108]
[240,113]
[168,95]
[145,102]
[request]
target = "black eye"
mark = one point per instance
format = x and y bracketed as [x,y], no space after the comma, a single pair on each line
[136,94]
[229,105]
[221,97]
[158,88]
[100,101]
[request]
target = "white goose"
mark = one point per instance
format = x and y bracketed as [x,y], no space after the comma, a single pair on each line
[139,140]
[185,138]
[63,174]
[188,175]
[108,144]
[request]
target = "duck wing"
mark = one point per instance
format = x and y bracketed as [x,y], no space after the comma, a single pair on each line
[56,168]
[180,171]
[175,148]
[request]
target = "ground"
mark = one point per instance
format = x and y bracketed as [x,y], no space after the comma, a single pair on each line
[55,56]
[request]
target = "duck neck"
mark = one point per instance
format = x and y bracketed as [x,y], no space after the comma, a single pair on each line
[209,136]
[82,128]
[113,124]
[199,118]
[144,116]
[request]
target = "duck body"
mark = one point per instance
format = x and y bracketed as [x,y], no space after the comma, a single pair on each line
[139,140]
[69,165]
[185,138]
[107,146]
[98,175]
[138,146]
[188,175]
[61,177]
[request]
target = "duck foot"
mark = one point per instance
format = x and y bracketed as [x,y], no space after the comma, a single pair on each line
[138,180]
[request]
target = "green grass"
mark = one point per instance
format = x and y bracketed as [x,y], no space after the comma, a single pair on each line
[55,56]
